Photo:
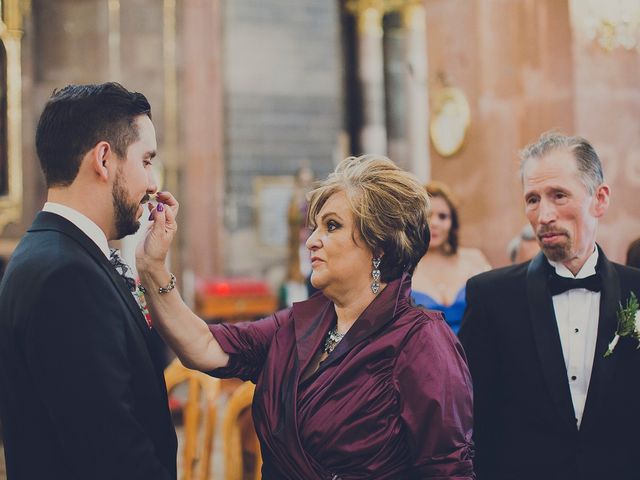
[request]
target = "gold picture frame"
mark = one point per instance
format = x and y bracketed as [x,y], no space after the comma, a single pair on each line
[11,12]
[450,121]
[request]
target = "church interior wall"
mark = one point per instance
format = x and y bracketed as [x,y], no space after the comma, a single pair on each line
[271,97]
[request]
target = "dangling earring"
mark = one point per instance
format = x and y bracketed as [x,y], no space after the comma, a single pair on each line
[375,285]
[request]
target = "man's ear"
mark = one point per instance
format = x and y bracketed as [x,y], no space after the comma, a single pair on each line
[601,200]
[101,159]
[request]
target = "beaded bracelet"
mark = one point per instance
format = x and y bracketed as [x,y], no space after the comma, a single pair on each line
[161,290]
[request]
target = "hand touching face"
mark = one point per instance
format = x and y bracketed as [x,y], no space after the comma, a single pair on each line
[153,248]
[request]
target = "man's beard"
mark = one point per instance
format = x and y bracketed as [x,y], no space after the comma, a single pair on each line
[125,211]
[557,252]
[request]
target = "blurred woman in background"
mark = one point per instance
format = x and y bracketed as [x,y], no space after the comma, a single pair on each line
[441,275]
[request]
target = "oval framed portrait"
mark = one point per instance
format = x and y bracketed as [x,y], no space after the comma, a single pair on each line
[449,121]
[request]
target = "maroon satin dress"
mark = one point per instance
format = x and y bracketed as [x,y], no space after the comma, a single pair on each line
[392,401]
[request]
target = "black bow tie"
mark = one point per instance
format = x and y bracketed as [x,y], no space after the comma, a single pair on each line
[558,284]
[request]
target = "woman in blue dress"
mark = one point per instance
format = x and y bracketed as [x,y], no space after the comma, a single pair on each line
[441,275]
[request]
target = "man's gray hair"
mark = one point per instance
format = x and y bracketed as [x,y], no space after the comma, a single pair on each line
[586,157]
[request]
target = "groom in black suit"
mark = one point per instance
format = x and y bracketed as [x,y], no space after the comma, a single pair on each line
[81,397]
[548,404]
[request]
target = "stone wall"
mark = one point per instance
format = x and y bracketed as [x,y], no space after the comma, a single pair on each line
[283,109]
[607,112]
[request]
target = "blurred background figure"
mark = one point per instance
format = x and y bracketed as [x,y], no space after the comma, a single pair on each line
[633,254]
[440,277]
[299,263]
[524,246]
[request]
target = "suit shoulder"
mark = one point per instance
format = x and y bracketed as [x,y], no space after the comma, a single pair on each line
[50,247]
[44,257]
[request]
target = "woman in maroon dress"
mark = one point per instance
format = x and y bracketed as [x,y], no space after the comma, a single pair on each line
[356,382]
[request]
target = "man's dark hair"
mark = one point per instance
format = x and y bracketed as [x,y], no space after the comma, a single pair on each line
[77,117]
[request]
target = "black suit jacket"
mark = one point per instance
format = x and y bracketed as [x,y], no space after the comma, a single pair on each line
[525,426]
[80,395]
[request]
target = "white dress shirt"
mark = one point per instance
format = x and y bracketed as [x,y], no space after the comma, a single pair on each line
[577,313]
[88,227]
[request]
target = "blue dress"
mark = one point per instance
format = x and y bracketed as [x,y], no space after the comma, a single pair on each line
[452,313]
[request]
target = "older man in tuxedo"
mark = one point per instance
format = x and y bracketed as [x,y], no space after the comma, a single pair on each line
[81,395]
[548,403]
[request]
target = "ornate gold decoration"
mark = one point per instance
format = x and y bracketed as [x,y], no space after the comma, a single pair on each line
[610,24]
[413,16]
[369,13]
[11,37]
[356,7]
[449,121]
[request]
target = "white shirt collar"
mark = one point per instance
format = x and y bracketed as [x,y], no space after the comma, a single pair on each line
[589,267]
[84,223]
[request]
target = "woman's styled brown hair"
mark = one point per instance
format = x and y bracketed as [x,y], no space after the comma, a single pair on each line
[390,208]
[439,189]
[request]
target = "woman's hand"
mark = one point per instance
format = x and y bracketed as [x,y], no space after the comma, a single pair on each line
[152,250]
[187,334]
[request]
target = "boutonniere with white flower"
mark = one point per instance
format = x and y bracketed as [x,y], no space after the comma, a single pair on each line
[628,323]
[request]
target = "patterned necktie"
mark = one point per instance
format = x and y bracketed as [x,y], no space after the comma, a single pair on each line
[123,269]
[125,272]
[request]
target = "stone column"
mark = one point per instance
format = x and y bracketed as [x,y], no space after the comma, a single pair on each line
[201,154]
[415,25]
[373,133]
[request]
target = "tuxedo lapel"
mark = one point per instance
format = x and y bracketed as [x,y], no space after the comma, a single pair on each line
[603,368]
[50,221]
[547,337]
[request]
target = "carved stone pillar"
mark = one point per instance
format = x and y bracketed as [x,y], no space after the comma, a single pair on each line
[373,133]
[415,26]
[201,154]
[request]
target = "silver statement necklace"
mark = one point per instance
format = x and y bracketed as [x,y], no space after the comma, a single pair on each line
[332,340]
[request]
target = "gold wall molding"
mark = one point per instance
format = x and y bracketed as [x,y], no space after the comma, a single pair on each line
[370,13]
[359,7]
[11,12]
[413,16]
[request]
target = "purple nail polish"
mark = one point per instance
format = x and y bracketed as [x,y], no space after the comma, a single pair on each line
[151,216]
[160,207]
